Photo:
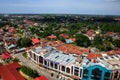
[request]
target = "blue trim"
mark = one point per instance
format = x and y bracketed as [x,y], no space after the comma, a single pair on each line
[90,68]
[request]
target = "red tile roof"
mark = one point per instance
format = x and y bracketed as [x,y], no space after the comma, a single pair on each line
[111,33]
[116,19]
[68,48]
[73,39]
[112,52]
[64,35]
[93,55]
[9,72]
[12,30]
[90,32]
[6,55]
[42,77]
[35,40]
[52,37]
[28,22]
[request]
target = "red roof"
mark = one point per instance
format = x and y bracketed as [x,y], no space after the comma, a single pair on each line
[52,37]
[64,35]
[9,72]
[73,39]
[93,55]
[117,19]
[68,48]
[42,77]
[12,30]
[35,40]
[90,32]
[6,55]
[28,22]
[112,52]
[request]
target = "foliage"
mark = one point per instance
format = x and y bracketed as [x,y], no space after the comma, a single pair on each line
[7,60]
[98,40]
[25,55]
[116,43]
[24,42]
[28,71]
[15,60]
[82,40]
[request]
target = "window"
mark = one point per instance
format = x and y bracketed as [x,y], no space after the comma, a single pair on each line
[56,57]
[96,74]
[67,60]
[116,74]
[45,62]
[51,64]
[76,71]
[40,59]
[101,58]
[56,66]
[85,73]
[112,57]
[107,76]
[106,57]
[68,70]
[117,56]
[63,68]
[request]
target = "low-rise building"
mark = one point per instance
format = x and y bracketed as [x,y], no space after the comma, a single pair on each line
[79,64]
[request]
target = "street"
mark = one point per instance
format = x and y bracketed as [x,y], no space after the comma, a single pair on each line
[32,65]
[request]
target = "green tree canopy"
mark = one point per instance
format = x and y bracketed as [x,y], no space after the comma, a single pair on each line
[82,40]
[24,42]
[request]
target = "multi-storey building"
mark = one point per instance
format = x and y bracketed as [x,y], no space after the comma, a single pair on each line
[82,67]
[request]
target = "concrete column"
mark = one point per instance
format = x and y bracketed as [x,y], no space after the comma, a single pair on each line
[113,73]
[80,72]
[89,74]
[36,59]
[70,70]
[103,74]
[118,74]
[65,69]
[73,70]
[53,65]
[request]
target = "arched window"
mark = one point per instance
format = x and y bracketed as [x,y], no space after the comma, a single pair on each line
[96,74]
[116,74]
[68,70]
[63,68]
[76,71]
[51,64]
[107,76]
[40,59]
[56,66]
[45,62]
[85,73]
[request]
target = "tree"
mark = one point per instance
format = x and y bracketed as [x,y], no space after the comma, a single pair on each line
[82,40]
[116,43]
[24,42]
[15,60]
[28,71]
[97,40]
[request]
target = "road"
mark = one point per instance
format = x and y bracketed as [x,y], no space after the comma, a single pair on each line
[32,65]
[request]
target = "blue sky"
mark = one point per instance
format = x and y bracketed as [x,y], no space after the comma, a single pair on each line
[102,7]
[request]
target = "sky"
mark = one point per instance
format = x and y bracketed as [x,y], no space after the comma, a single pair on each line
[98,7]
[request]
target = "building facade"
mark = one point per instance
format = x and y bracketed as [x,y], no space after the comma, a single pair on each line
[75,66]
